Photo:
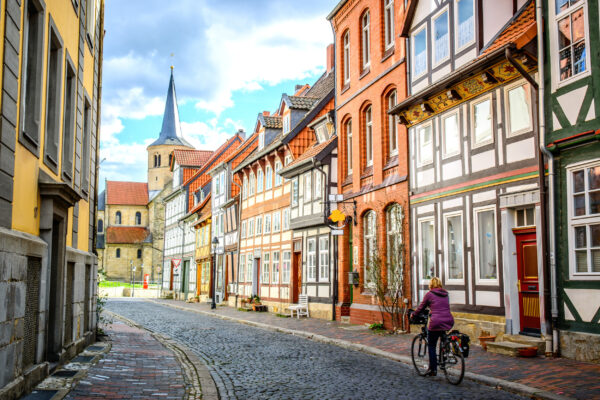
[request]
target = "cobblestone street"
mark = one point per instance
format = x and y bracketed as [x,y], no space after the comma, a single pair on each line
[251,363]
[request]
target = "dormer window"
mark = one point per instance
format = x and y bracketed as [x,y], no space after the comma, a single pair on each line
[261,140]
[321,132]
[286,124]
[465,16]
[366,40]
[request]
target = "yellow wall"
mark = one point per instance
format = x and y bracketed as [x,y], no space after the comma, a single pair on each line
[120,268]
[127,215]
[158,177]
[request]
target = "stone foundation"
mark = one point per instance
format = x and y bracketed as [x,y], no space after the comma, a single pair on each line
[580,346]
[476,325]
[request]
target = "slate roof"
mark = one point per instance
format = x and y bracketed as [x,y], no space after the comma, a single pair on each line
[171,127]
[191,158]
[127,193]
[520,30]
[127,235]
[322,86]
[102,201]
[300,102]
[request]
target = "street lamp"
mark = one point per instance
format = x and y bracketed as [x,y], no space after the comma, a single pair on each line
[215,243]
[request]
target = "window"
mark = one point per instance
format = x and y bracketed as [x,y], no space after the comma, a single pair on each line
[427,251]
[100,226]
[311,260]
[584,218]
[242,269]
[118,253]
[53,98]
[369,136]
[286,219]
[31,74]
[118,218]
[323,259]
[91,18]
[252,185]
[275,274]
[250,227]
[393,219]
[370,242]
[268,177]
[485,239]
[286,123]
[217,185]
[349,146]
[321,133]
[266,266]
[307,187]
[288,159]
[223,182]
[295,191]
[465,16]
[318,184]
[259,180]
[388,14]
[138,218]
[572,52]
[519,109]
[454,247]
[245,188]
[250,270]
[420,53]
[259,225]
[85,145]
[392,133]
[68,121]
[451,135]
[261,140]
[346,55]
[441,41]
[366,40]
[287,265]
[276,221]
[424,145]
[525,217]
[268,223]
[482,122]
[139,253]
[243,232]
[278,179]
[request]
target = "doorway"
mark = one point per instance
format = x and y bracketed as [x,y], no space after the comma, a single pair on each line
[185,278]
[255,268]
[55,309]
[528,281]
[296,276]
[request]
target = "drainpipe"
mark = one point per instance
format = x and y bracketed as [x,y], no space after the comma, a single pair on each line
[551,178]
[239,244]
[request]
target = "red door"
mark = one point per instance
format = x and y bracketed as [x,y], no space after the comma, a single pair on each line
[528,282]
[296,277]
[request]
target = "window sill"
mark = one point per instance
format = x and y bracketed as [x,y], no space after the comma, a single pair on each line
[387,54]
[364,73]
[347,181]
[392,162]
[345,88]
[367,172]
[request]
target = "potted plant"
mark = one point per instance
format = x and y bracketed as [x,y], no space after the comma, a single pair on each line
[485,338]
[255,301]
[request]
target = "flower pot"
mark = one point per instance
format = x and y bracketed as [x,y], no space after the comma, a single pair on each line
[484,340]
[528,352]
[256,306]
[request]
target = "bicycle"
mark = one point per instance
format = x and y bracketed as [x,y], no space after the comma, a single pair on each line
[450,353]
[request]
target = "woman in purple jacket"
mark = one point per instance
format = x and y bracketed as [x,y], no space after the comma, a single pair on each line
[440,319]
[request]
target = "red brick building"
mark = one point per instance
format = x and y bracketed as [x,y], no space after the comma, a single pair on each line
[372,166]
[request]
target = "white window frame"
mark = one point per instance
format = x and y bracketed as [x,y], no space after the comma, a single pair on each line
[286,219]
[391,231]
[276,221]
[311,260]
[458,48]
[268,177]
[250,228]
[444,136]
[295,191]
[392,128]
[412,42]
[346,55]
[420,221]
[527,87]
[578,221]
[318,192]
[365,37]
[348,128]
[286,267]
[478,279]
[243,228]
[245,188]
[260,180]
[275,261]
[366,283]
[286,123]
[265,268]
[250,267]
[278,178]
[261,140]
[446,217]
[267,223]
[418,138]
[259,225]
[324,255]
[307,181]
[369,136]
[241,269]
[435,62]
[388,20]
[251,185]
[480,100]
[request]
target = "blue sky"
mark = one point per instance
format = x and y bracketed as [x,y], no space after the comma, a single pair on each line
[232,59]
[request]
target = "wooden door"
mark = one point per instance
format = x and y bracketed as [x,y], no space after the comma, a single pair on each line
[296,276]
[528,281]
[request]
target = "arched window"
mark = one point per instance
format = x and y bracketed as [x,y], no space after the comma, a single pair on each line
[368,132]
[138,218]
[118,255]
[369,242]
[348,131]
[170,158]
[158,163]
[118,218]
[139,253]
[100,226]
[365,23]
[346,58]
[393,220]
[391,125]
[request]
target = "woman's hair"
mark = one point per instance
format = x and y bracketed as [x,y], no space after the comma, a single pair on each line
[435,283]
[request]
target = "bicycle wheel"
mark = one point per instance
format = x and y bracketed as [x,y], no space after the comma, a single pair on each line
[420,358]
[454,363]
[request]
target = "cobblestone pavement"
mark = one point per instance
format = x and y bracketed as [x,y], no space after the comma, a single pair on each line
[137,367]
[557,375]
[252,363]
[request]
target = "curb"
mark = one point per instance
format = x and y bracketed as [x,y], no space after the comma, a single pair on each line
[498,383]
[198,379]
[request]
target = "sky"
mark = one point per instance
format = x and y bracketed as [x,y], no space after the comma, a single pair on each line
[232,59]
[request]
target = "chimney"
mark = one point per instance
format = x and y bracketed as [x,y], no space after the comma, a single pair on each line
[266,113]
[241,134]
[330,58]
[298,87]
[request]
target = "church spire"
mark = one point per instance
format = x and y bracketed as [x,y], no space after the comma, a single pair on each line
[170,133]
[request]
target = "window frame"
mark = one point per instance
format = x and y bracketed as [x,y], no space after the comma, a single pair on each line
[251,184]
[285,223]
[392,127]
[295,191]
[346,57]
[54,95]
[412,50]
[555,45]
[286,263]
[491,140]
[507,89]
[458,47]
[307,186]
[388,21]
[443,119]
[368,136]
[365,38]
[267,224]
[276,261]
[242,268]
[268,177]
[478,279]
[260,180]
[323,251]
[446,217]
[390,232]
[435,62]
[419,146]
[278,178]
[366,238]
[243,230]
[420,221]
[265,268]
[348,131]
[311,260]
[259,225]
[276,222]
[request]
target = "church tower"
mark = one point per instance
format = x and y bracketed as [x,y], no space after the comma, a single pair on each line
[170,138]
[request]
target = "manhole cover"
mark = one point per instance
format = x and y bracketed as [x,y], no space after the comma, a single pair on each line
[83,359]
[65,373]
[95,348]
[40,395]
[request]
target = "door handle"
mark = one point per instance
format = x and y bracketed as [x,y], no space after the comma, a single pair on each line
[519,284]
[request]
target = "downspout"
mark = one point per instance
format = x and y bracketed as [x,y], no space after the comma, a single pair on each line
[239,245]
[551,177]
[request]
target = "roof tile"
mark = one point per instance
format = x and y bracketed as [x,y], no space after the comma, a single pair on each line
[126,234]
[191,158]
[127,193]
[519,30]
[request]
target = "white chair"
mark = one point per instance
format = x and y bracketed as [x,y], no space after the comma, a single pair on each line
[301,308]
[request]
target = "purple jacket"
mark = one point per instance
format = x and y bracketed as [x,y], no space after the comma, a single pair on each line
[439,304]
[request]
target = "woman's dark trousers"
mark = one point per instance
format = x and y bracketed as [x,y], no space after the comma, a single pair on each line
[432,339]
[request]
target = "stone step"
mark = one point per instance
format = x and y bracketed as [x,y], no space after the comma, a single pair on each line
[506,348]
[527,340]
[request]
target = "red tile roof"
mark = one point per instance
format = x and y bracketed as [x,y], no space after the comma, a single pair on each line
[127,193]
[520,30]
[311,151]
[126,234]
[191,158]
